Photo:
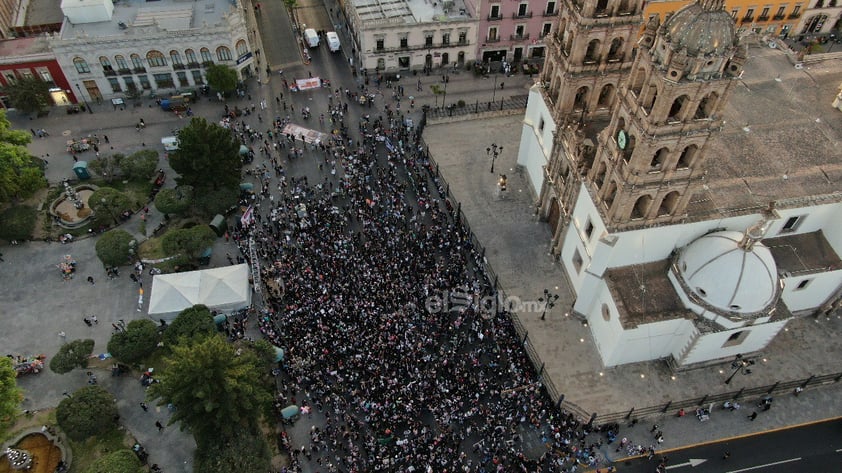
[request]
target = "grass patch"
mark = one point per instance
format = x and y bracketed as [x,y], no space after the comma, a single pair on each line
[18,222]
[89,450]
[151,249]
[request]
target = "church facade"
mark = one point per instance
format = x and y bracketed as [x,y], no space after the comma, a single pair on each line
[683,238]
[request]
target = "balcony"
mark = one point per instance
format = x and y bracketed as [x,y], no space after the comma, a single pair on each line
[139,70]
[492,39]
[550,13]
[495,18]
[519,37]
[516,16]
[178,67]
[763,18]
[794,16]
[462,42]
[124,72]
[747,19]
[778,17]
[193,65]
[109,72]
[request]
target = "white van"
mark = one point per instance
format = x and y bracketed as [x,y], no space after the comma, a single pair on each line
[333,41]
[311,38]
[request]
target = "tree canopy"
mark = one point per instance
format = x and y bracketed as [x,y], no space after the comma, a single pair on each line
[73,354]
[88,412]
[114,247]
[108,203]
[18,222]
[207,156]
[135,343]
[10,394]
[121,461]
[140,166]
[218,388]
[246,450]
[222,78]
[28,94]
[189,242]
[174,201]
[191,323]
[107,165]
[19,174]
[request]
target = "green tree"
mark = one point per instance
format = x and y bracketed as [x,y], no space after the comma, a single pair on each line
[114,247]
[193,322]
[108,203]
[15,162]
[222,78]
[107,165]
[207,156]
[217,201]
[18,222]
[174,201]
[135,343]
[121,461]
[218,389]
[10,394]
[72,355]
[29,94]
[88,412]
[246,450]
[190,242]
[140,166]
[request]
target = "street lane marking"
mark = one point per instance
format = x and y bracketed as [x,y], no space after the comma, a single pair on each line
[768,464]
[693,462]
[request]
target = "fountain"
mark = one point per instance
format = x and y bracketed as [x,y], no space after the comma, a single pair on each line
[34,453]
[19,459]
[71,209]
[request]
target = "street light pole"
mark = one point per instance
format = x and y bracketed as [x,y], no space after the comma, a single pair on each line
[83,99]
[549,302]
[493,151]
[739,365]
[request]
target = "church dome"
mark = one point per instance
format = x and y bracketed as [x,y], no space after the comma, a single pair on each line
[701,28]
[728,275]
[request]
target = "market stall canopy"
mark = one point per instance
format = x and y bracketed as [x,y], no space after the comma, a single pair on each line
[223,289]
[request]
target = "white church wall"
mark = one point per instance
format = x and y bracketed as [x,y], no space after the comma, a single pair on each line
[651,341]
[606,331]
[727,344]
[536,141]
[810,219]
[808,292]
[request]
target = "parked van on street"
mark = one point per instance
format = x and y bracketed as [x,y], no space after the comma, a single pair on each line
[333,41]
[311,37]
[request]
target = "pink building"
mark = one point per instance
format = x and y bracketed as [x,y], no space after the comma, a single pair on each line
[513,29]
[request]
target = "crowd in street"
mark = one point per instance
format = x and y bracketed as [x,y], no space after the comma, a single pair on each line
[350,261]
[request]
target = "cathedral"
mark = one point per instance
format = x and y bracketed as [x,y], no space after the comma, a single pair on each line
[689,180]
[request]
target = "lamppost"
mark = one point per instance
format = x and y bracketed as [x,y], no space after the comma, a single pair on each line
[445,78]
[83,99]
[493,151]
[110,211]
[739,365]
[549,302]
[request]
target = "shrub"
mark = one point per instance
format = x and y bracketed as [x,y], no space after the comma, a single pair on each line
[121,461]
[114,247]
[90,411]
[18,222]
[72,355]
[135,343]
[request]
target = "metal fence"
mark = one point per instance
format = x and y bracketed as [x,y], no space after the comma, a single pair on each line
[515,102]
[781,387]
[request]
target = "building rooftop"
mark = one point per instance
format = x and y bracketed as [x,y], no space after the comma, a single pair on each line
[43,12]
[780,140]
[803,253]
[644,294]
[136,17]
[14,49]
[411,11]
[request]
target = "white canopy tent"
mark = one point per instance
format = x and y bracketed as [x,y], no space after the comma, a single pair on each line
[223,289]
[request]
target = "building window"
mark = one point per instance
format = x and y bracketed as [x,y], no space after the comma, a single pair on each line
[796,11]
[588,230]
[550,8]
[463,37]
[106,64]
[191,56]
[164,81]
[404,41]
[130,85]
[45,75]
[403,62]
[495,12]
[803,284]
[734,13]
[25,73]
[445,38]
[428,39]
[81,65]
[144,82]
[197,77]
[577,261]
[541,125]
[736,338]
[606,312]
[182,79]
[156,59]
[492,33]
[242,48]
[206,55]
[137,63]
[223,54]
[521,9]
[175,57]
[115,84]
[121,63]
[381,44]
[10,77]
[546,29]
[792,224]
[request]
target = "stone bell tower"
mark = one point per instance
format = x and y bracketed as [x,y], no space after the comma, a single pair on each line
[651,158]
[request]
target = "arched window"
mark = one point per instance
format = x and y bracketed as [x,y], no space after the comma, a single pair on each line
[641,207]
[137,62]
[659,159]
[615,52]
[606,95]
[630,145]
[675,114]
[580,102]
[687,157]
[206,55]
[601,7]
[191,56]
[637,83]
[242,48]
[592,53]
[122,65]
[81,65]
[610,194]
[156,59]
[651,96]
[381,64]
[707,106]
[106,63]
[175,57]
[223,53]
[600,175]
[668,204]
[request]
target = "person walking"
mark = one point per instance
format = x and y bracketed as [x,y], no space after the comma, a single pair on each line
[91,280]
[159,425]
[94,320]
[752,416]
[144,407]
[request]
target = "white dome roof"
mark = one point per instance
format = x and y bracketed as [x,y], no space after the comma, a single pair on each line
[728,277]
